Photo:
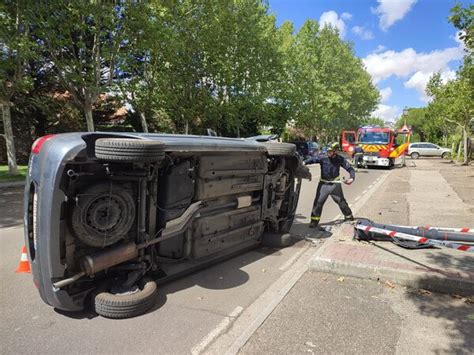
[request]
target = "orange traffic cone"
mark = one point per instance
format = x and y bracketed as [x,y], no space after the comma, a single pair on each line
[24,263]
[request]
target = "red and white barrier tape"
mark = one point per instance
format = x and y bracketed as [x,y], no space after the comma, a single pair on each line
[421,240]
[442,229]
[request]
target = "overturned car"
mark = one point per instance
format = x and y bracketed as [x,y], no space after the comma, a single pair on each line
[107,214]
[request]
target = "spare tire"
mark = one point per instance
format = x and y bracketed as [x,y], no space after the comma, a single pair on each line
[280,149]
[130,304]
[103,214]
[129,150]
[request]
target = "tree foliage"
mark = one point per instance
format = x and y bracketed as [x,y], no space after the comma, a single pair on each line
[178,66]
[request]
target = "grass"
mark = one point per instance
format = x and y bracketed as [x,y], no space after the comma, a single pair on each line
[6,177]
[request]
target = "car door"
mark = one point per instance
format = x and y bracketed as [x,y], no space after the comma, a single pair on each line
[432,150]
[423,149]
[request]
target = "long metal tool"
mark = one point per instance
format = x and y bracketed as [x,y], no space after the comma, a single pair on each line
[421,240]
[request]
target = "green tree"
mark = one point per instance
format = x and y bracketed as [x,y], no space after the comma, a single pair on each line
[82,40]
[453,102]
[16,48]
[331,89]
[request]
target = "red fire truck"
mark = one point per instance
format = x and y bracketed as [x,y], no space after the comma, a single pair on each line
[382,146]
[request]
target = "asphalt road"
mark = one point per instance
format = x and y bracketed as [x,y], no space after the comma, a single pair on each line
[190,312]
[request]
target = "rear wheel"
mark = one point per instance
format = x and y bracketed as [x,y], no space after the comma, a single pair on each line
[415,155]
[118,303]
[129,150]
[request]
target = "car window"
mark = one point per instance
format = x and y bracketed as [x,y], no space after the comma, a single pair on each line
[431,146]
[414,145]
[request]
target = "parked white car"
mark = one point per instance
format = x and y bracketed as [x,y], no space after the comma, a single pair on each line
[415,150]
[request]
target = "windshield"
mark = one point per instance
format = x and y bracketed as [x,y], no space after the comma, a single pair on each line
[374,137]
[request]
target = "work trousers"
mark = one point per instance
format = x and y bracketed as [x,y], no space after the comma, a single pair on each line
[322,194]
[358,159]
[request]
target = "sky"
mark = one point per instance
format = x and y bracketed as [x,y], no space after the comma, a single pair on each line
[401,42]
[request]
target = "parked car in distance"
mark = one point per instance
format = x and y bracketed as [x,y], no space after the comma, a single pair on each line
[306,148]
[107,214]
[415,150]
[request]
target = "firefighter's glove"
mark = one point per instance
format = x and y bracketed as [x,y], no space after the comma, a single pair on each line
[348,181]
[303,172]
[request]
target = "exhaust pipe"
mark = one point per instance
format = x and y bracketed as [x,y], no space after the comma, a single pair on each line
[92,264]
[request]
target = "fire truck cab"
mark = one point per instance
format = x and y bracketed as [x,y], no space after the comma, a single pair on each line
[382,146]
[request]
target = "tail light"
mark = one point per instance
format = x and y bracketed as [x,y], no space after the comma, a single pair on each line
[38,144]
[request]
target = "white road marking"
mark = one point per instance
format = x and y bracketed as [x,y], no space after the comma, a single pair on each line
[291,260]
[364,192]
[222,326]
[358,197]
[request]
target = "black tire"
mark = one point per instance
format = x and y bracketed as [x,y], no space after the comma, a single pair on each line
[415,155]
[446,155]
[129,150]
[103,214]
[276,240]
[280,149]
[120,306]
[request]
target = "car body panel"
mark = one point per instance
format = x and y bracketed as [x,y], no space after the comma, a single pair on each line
[223,170]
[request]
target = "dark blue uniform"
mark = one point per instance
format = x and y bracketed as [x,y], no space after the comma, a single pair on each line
[330,185]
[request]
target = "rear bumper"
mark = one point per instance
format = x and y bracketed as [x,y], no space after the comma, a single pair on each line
[43,226]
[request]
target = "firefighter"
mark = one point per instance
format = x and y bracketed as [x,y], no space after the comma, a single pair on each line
[330,183]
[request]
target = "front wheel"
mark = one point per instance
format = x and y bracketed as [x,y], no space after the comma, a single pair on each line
[129,150]
[446,155]
[414,155]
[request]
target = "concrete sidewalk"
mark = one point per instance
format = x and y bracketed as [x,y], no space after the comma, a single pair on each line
[424,193]
[326,312]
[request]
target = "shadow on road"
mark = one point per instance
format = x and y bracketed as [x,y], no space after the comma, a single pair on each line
[458,316]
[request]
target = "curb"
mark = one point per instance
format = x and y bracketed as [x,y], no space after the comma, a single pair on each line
[6,185]
[428,281]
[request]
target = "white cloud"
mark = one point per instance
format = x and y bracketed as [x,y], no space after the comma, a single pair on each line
[385,94]
[346,16]
[362,32]
[387,113]
[402,64]
[379,49]
[391,11]
[419,80]
[332,18]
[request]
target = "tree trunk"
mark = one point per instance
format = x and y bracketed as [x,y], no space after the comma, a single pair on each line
[143,122]
[459,149]
[10,140]
[89,119]
[186,128]
[464,136]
